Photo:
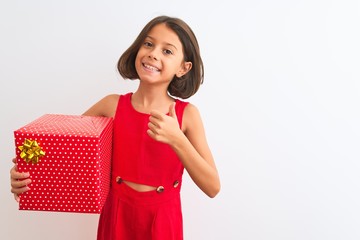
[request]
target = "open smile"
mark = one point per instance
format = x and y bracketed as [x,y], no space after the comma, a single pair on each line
[150,67]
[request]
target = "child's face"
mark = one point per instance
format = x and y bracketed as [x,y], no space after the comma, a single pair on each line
[160,57]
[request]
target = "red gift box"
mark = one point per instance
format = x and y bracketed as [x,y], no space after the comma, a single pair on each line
[68,158]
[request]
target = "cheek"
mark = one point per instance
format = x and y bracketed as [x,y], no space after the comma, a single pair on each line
[138,62]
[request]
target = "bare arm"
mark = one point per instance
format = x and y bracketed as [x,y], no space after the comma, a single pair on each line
[195,154]
[106,107]
[190,145]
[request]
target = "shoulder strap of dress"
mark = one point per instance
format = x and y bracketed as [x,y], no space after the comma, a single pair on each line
[179,109]
[123,99]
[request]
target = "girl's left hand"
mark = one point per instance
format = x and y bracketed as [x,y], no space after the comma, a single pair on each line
[164,128]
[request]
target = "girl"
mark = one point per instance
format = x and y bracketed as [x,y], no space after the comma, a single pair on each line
[156,136]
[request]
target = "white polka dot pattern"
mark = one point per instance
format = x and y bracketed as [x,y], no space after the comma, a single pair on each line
[74,174]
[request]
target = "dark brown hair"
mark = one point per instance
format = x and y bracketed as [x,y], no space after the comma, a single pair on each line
[183,87]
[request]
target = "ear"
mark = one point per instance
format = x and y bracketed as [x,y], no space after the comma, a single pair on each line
[184,69]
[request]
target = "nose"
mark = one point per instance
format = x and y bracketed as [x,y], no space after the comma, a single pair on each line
[153,55]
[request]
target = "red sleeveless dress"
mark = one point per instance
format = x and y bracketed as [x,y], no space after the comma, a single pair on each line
[127,213]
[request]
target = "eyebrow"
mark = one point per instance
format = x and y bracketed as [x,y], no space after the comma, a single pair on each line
[166,43]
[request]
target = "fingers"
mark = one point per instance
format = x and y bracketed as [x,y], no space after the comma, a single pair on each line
[152,131]
[159,115]
[15,175]
[162,127]
[154,120]
[152,127]
[19,186]
[21,190]
[151,134]
[156,114]
[19,182]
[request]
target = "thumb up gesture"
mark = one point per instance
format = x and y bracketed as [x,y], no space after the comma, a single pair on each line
[164,127]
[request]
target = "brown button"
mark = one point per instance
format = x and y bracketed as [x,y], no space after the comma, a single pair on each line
[160,189]
[176,183]
[118,179]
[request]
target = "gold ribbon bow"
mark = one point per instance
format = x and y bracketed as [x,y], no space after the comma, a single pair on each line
[31,151]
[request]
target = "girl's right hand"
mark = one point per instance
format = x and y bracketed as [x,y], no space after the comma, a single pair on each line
[19,181]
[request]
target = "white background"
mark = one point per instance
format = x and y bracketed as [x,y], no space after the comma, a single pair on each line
[280,104]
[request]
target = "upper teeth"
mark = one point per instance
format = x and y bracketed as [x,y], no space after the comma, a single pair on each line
[151,67]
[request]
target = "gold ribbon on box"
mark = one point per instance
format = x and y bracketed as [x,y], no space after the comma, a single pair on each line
[31,152]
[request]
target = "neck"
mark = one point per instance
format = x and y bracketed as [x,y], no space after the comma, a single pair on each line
[147,99]
[151,95]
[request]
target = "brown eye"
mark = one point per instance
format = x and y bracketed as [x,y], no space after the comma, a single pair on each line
[168,52]
[147,44]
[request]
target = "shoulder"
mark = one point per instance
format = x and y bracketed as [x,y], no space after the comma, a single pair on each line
[191,117]
[105,107]
[191,109]
[109,101]
[111,98]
